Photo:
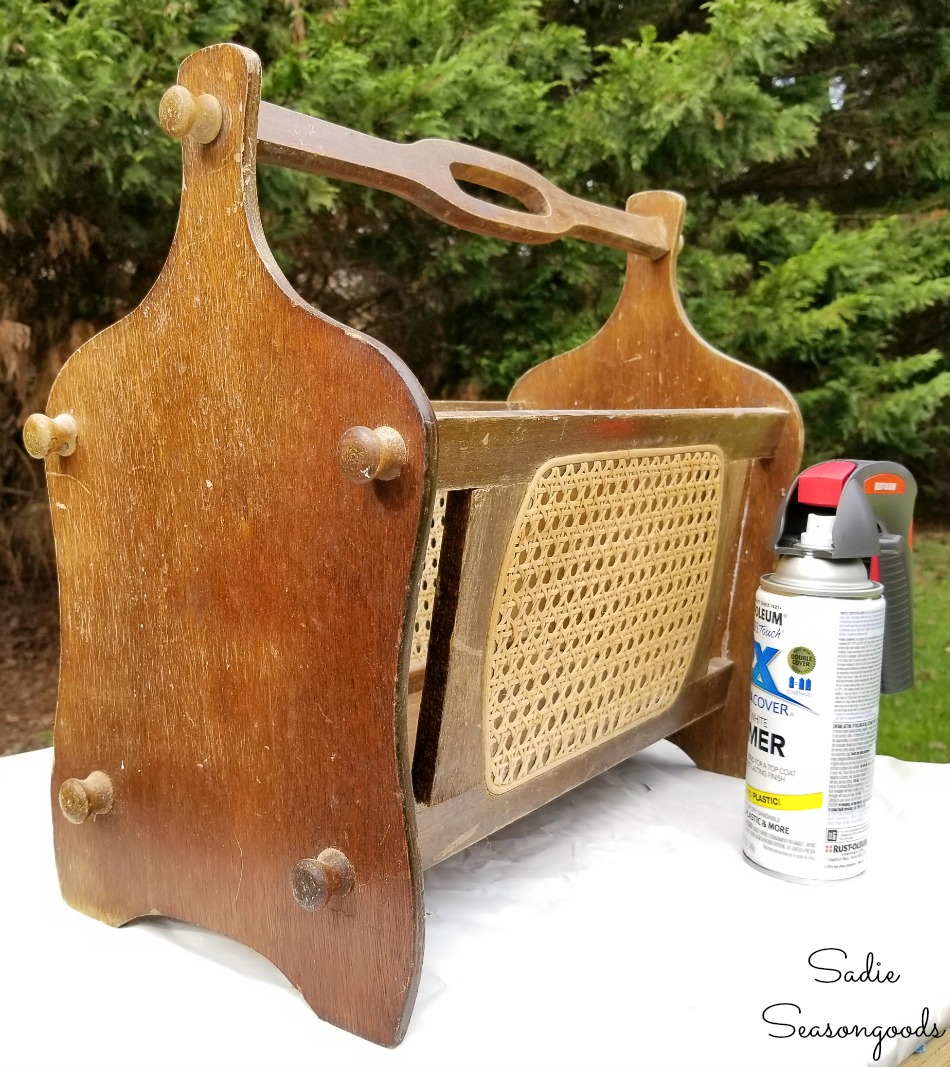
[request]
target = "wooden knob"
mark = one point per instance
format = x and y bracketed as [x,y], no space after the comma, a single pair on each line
[181,113]
[365,454]
[43,435]
[316,882]
[80,798]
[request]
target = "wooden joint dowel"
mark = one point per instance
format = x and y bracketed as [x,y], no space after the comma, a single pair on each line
[367,455]
[43,435]
[80,798]
[182,113]
[315,882]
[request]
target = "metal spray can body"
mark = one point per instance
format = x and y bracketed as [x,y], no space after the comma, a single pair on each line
[813,712]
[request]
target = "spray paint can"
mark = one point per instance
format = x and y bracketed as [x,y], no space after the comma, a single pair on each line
[824,650]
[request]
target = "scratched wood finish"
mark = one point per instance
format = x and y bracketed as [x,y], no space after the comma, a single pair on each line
[492,448]
[214,566]
[648,356]
[237,614]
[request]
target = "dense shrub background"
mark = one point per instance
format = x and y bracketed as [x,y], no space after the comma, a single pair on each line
[811,138]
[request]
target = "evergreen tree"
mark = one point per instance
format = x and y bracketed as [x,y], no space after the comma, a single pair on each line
[831,268]
[844,292]
[816,168]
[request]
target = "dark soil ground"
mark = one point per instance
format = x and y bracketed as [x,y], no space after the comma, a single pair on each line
[29,666]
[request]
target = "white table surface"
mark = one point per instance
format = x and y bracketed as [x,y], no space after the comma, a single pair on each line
[618,925]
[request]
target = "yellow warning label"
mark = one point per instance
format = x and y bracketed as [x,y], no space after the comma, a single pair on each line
[784,801]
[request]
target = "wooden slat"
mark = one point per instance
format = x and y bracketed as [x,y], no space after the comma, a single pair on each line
[454,824]
[449,755]
[735,484]
[506,447]
[427,174]
[475,405]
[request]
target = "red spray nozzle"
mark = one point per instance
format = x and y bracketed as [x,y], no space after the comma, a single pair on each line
[821,486]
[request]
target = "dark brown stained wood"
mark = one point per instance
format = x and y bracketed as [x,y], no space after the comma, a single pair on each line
[647,356]
[428,735]
[235,612]
[427,173]
[366,455]
[450,719]
[467,817]
[735,487]
[80,800]
[412,716]
[479,449]
[474,405]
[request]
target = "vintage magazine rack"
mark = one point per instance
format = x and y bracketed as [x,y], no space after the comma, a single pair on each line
[319,633]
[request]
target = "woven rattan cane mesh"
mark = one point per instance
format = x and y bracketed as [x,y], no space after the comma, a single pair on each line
[599,607]
[423,623]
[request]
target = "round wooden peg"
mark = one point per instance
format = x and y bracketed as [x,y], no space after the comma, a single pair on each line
[367,455]
[81,797]
[43,435]
[316,882]
[181,113]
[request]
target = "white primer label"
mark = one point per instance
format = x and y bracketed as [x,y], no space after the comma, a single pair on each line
[813,708]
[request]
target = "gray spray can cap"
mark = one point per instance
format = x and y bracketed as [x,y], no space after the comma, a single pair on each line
[872,506]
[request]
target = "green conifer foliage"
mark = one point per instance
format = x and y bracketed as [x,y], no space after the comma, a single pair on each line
[812,139]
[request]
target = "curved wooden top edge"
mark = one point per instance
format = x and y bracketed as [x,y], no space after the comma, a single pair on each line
[648,354]
[235,151]
[427,172]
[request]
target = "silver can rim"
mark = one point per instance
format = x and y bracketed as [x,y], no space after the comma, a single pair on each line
[869,590]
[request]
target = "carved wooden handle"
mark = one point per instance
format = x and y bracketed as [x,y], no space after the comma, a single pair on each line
[427,173]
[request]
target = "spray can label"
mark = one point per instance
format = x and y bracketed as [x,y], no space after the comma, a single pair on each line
[814,699]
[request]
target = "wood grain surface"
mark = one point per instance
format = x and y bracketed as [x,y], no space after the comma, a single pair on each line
[486,448]
[235,611]
[428,173]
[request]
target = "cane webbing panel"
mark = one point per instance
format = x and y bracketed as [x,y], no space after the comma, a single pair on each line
[423,622]
[599,605]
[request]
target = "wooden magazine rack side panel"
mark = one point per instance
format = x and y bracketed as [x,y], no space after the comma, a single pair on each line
[648,356]
[214,561]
